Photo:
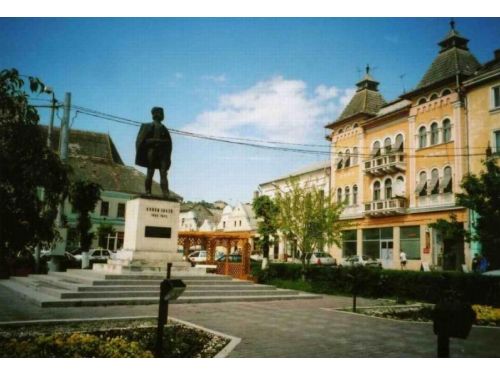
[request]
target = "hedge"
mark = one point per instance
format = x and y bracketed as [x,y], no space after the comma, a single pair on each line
[379,283]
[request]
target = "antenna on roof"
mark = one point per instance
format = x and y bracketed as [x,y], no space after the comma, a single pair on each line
[452,24]
[401,77]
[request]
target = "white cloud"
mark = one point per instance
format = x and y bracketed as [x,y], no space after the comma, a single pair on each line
[276,109]
[215,78]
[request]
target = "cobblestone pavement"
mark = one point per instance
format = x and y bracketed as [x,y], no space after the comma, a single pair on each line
[294,328]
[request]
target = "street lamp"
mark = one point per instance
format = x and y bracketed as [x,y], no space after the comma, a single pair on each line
[49,90]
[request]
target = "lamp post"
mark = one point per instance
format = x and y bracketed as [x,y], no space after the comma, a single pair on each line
[49,90]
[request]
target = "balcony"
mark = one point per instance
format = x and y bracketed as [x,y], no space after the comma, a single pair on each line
[436,200]
[387,207]
[385,164]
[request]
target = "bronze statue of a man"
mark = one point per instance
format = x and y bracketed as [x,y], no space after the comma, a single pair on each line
[154,150]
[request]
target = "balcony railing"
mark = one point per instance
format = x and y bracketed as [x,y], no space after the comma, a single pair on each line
[387,207]
[385,164]
[436,200]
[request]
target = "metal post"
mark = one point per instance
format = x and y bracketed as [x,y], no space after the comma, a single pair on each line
[169,270]
[162,319]
[51,124]
[443,350]
[64,137]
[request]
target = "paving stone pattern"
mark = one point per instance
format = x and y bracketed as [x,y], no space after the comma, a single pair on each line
[287,329]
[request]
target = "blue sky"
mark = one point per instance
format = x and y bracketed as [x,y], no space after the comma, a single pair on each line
[276,79]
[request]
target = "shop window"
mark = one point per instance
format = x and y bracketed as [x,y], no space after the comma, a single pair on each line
[349,243]
[410,241]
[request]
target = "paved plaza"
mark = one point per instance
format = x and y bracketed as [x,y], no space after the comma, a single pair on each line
[284,329]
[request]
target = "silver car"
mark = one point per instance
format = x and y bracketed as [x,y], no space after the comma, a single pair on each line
[321,258]
[363,260]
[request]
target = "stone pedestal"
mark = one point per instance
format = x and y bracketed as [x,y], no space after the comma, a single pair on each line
[150,242]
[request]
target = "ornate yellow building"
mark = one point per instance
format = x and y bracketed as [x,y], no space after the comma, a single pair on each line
[398,165]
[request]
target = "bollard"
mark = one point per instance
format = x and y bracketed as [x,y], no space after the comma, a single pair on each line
[169,269]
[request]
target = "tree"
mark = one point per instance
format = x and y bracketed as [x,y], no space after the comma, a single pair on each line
[453,235]
[33,180]
[104,231]
[482,195]
[310,217]
[266,213]
[84,196]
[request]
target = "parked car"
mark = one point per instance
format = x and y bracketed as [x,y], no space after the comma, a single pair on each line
[320,258]
[199,256]
[363,260]
[69,260]
[97,255]
[232,258]
[256,256]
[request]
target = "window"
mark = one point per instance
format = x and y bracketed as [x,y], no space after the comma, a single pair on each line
[434,185]
[446,92]
[339,195]
[347,195]
[104,208]
[446,130]
[398,146]
[421,189]
[495,97]
[400,187]
[422,137]
[387,145]
[223,224]
[349,243]
[354,156]
[496,141]
[421,101]
[240,223]
[355,126]
[434,96]
[355,194]
[447,181]
[347,159]
[341,131]
[434,133]
[372,240]
[376,149]
[388,188]
[410,241]
[120,212]
[340,160]
[376,191]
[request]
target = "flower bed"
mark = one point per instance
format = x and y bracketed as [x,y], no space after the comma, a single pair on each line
[107,339]
[485,315]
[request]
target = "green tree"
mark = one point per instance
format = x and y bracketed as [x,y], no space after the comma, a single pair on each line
[266,214]
[453,235]
[104,230]
[482,195]
[32,178]
[310,217]
[83,196]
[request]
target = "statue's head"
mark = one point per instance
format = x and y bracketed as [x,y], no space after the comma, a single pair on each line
[157,113]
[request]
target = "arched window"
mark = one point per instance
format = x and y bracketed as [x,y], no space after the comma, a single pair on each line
[434,96]
[347,195]
[421,189]
[347,159]
[339,195]
[355,194]
[399,145]
[355,126]
[399,189]
[446,92]
[376,149]
[447,181]
[434,133]
[422,101]
[354,156]
[422,137]
[341,131]
[347,128]
[388,188]
[387,145]
[376,191]
[340,160]
[446,130]
[434,185]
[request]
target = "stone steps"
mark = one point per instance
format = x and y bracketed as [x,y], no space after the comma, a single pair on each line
[92,288]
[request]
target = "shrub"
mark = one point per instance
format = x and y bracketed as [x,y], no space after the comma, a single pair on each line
[376,283]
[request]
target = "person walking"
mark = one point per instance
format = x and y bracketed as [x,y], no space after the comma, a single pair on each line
[402,258]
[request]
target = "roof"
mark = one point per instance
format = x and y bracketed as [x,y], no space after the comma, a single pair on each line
[393,107]
[94,157]
[453,59]
[307,169]
[366,100]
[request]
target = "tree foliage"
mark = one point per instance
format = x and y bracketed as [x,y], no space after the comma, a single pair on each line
[482,195]
[104,230]
[84,196]
[32,178]
[310,217]
[265,212]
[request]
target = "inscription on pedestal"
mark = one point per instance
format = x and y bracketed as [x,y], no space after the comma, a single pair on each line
[157,232]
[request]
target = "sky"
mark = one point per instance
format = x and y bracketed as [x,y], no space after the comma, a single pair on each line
[272,79]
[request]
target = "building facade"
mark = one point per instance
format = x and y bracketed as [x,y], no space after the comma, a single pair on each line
[397,166]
